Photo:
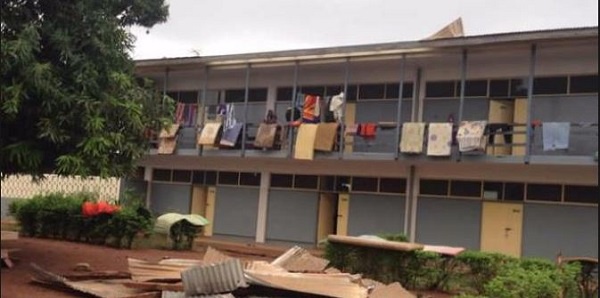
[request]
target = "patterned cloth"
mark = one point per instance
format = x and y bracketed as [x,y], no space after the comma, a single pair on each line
[412,137]
[555,135]
[439,140]
[231,135]
[471,136]
[311,109]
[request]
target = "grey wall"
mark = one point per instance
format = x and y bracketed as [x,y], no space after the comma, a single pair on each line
[235,211]
[292,216]
[577,109]
[438,110]
[166,198]
[453,222]
[549,229]
[375,214]
[137,187]
[4,203]
[186,138]
[375,111]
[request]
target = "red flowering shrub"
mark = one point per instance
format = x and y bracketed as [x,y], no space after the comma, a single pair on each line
[90,209]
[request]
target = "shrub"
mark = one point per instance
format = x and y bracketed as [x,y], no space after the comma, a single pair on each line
[481,267]
[127,223]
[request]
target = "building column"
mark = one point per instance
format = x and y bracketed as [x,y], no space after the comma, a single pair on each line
[412,193]
[148,179]
[263,203]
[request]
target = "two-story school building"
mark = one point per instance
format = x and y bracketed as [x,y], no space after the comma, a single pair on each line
[373,139]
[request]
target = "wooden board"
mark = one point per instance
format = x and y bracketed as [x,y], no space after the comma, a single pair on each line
[298,259]
[305,141]
[520,116]
[165,270]
[326,135]
[326,216]
[500,111]
[381,244]
[169,132]
[349,119]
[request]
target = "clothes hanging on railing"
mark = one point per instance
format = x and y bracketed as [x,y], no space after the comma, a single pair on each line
[335,106]
[439,140]
[471,136]
[367,130]
[412,138]
[311,110]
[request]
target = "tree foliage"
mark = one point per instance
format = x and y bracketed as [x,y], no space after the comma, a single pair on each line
[70,102]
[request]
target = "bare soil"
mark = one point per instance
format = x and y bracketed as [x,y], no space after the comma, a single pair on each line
[61,256]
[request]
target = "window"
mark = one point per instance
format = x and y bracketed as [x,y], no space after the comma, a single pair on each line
[285,93]
[392,89]
[313,90]
[327,183]
[340,182]
[210,178]
[392,185]
[440,89]
[433,187]
[282,180]
[250,179]
[584,84]
[465,189]
[499,88]
[544,192]
[371,91]
[514,191]
[334,90]
[182,176]
[550,85]
[493,190]
[518,87]
[352,93]
[188,96]
[229,178]
[475,88]
[198,177]
[582,194]
[364,184]
[161,175]
[238,95]
[306,181]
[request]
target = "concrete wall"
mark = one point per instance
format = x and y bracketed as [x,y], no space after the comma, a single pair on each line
[292,216]
[375,111]
[452,222]
[235,211]
[166,197]
[550,229]
[375,214]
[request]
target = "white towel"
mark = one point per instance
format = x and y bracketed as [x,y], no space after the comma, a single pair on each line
[555,135]
[335,106]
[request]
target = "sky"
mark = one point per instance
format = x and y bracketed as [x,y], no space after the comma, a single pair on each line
[221,27]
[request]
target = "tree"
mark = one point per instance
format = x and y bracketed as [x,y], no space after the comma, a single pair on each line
[70,102]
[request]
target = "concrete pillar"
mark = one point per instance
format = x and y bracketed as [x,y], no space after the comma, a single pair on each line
[263,203]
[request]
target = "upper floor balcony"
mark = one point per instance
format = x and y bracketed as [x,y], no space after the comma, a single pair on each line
[535,101]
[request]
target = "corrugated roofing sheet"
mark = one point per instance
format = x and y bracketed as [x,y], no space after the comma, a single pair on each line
[215,278]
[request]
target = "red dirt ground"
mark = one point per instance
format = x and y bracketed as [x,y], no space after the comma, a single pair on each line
[61,256]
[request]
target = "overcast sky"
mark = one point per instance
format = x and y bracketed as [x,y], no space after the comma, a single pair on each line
[206,28]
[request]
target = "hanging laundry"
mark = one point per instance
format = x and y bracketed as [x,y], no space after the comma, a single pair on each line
[335,105]
[439,140]
[179,112]
[367,130]
[210,133]
[230,120]
[351,129]
[311,109]
[231,135]
[326,134]
[505,130]
[471,136]
[412,137]
[555,135]
[265,136]
[305,141]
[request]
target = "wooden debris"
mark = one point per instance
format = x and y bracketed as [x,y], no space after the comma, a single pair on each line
[391,290]
[213,256]
[263,266]
[298,259]
[98,275]
[381,244]
[331,285]
[332,270]
[154,286]
[82,267]
[96,288]
[217,278]
[6,259]
[165,270]
[9,235]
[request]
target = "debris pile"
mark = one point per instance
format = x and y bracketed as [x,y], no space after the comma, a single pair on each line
[295,273]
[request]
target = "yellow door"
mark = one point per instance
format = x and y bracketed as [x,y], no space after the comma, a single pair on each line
[520,117]
[349,119]
[326,222]
[342,216]
[501,228]
[210,210]
[501,111]
[199,200]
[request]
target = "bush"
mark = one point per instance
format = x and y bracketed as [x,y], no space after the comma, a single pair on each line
[478,268]
[60,216]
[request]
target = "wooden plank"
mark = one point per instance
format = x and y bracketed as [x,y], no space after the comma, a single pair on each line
[326,217]
[213,256]
[331,285]
[298,259]
[391,290]
[154,286]
[305,141]
[520,117]
[382,244]
[349,119]
[9,235]
[500,111]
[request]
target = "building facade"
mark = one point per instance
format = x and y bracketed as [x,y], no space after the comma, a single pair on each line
[517,196]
